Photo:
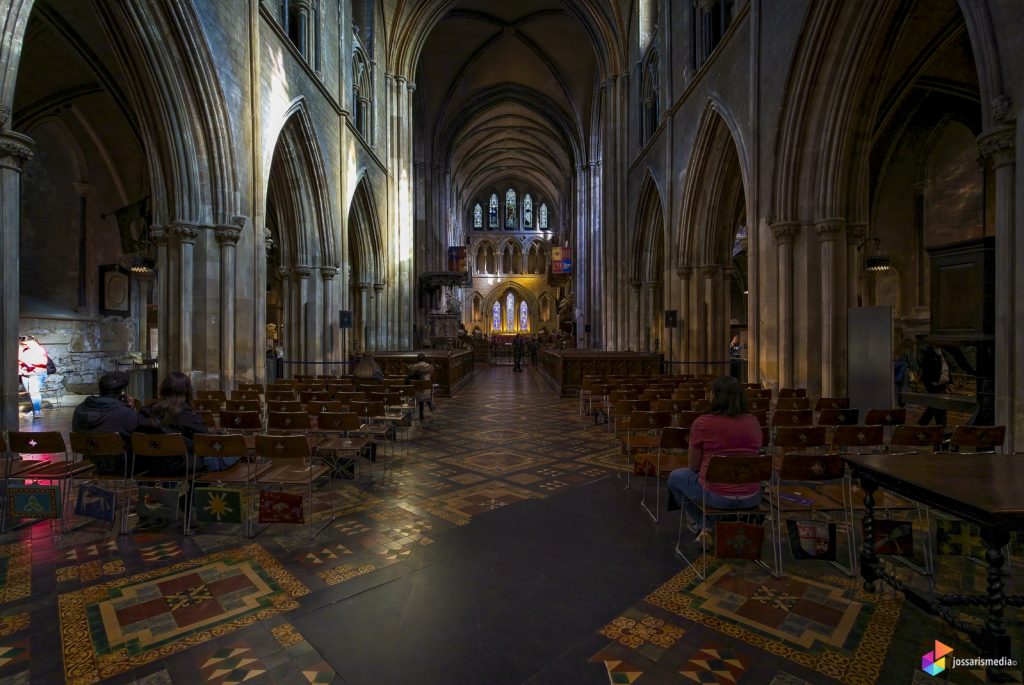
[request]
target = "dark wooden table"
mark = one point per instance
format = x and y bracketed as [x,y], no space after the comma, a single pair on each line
[984,489]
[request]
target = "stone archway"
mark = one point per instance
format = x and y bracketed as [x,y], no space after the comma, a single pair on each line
[367,266]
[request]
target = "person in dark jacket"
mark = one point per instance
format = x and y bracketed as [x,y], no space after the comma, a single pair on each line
[173,413]
[112,410]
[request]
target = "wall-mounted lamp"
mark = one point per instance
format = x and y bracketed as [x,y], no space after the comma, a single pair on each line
[878,260]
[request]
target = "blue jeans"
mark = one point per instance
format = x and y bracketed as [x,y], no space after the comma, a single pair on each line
[33,385]
[684,487]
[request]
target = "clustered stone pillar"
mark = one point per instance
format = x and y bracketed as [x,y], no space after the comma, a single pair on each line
[359,313]
[227,236]
[785,235]
[712,319]
[159,236]
[301,297]
[15,150]
[997,145]
[855,233]
[330,327]
[286,332]
[186,234]
[828,231]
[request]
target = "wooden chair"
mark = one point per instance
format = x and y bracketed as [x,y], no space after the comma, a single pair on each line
[885,417]
[244,405]
[241,421]
[838,417]
[340,431]
[306,396]
[927,438]
[315,408]
[64,469]
[164,458]
[208,418]
[201,405]
[799,437]
[978,438]
[758,393]
[685,419]
[215,395]
[258,387]
[243,473]
[759,404]
[287,422]
[792,392]
[374,426]
[832,403]
[291,465]
[858,439]
[277,407]
[732,470]
[792,403]
[795,489]
[701,405]
[246,396]
[280,396]
[761,415]
[793,417]
[107,453]
[672,441]
[643,432]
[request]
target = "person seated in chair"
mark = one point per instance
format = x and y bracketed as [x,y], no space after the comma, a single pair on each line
[420,371]
[727,429]
[173,413]
[113,410]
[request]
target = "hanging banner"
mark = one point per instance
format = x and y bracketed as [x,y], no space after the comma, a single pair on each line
[561,260]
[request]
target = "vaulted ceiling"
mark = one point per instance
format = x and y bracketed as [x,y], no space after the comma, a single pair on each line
[505,94]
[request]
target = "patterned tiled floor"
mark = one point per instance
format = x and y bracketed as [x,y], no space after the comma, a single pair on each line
[156,607]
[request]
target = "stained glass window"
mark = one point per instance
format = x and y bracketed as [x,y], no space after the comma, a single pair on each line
[496,316]
[510,208]
[510,313]
[478,216]
[527,211]
[493,212]
[542,222]
[524,316]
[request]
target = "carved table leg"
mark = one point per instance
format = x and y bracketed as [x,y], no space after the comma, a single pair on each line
[997,639]
[868,560]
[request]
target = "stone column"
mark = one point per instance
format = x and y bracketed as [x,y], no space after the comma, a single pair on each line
[684,335]
[302,7]
[330,315]
[999,147]
[785,235]
[160,237]
[633,308]
[359,314]
[712,316]
[828,231]
[260,303]
[286,333]
[855,233]
[379,342]
[83,241]
[186,234]
[227,235]
[15,150]
[651,317]
[301,297]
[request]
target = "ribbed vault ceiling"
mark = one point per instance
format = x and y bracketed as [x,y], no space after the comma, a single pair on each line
[504,93]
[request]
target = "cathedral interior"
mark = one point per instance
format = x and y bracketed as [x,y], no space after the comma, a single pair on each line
[624,199]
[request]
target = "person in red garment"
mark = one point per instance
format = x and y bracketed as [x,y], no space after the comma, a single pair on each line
[727,429]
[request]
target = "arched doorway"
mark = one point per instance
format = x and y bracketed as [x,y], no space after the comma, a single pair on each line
[302,262]
[648,268]
[367,269]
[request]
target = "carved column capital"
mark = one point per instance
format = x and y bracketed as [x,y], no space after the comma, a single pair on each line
[684,272]
[15,148]
[328,272]
[828,229]
[302,271]
[186,232]
[227,235]
[159,235]
[378,288]
[284,272]
[635,284]
[997,144]
[785,232]
[709,270]
[855,233]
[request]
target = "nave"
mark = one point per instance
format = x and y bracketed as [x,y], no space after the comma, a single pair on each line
[501,549]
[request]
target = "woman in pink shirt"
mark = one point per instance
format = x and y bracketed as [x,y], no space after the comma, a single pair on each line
[727,429]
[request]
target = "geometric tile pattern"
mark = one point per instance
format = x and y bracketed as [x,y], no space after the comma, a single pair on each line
[110,628]
[232,665]
[714,666]
[634,633]
[15,572]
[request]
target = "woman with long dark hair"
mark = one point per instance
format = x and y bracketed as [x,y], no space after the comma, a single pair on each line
[727,429]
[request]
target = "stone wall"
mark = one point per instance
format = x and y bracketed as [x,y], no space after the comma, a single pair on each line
[82,349]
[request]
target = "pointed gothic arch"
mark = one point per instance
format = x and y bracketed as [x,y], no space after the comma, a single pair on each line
[648,263]
[366,254]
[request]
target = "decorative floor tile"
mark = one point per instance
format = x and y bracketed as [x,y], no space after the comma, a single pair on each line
[345,572]
[15,572]
[232,665]
[497,463]
[286,634]
[110,628]
[715,665]
[9,625]
[319,673]
[13,653]
[90,571]
[634,630]
[160,552]
[103,548]
[459,507]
